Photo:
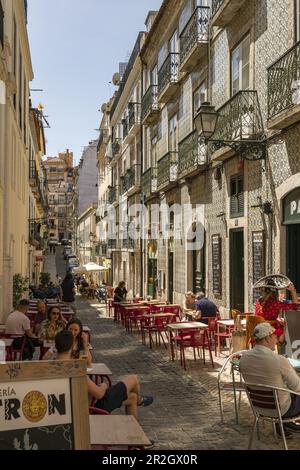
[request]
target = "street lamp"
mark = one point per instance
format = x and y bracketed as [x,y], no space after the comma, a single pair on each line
[239,130]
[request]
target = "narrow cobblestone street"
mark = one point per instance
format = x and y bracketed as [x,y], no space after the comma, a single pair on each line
[185,413]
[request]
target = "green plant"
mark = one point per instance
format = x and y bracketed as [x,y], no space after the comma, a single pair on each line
[44,279]
[20,286]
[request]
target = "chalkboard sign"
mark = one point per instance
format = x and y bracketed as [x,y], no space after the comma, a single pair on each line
[216,264]
[258,259]
[44,406]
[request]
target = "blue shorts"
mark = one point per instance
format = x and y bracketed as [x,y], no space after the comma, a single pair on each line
[113,398]
[294,409]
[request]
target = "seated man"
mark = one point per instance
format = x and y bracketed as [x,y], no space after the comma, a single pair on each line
[261,365]
[126,392]
[205,308]
[18,323]
[40,315]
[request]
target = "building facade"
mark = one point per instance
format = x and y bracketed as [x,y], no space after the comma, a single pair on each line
[61,178]
[15,74]
[87,178]
[240,186]
[86,235]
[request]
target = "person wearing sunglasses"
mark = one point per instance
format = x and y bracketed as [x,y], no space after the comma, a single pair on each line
[53,324]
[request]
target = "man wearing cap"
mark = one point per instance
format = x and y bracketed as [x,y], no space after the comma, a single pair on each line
[261,365]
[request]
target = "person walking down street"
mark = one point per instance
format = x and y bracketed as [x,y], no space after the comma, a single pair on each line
[68,291]
[120,292]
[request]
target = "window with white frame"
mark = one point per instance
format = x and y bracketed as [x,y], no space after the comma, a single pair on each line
[173,134]
[240,66]
[199,97]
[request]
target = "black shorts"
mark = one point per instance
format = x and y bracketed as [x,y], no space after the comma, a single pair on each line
[113,397]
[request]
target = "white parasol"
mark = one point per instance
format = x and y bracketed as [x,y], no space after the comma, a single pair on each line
[94,267]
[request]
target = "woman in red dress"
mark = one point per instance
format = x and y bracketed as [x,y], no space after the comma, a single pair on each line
[269,307]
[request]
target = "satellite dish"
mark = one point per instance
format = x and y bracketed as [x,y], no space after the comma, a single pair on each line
[116,79]
[103,108]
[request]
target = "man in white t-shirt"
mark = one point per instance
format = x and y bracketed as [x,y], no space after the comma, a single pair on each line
[18,323]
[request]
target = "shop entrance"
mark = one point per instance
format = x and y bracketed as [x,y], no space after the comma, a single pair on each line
[293,254]
[237,289]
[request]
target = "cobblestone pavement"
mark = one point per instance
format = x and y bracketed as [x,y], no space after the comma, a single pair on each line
[185,413]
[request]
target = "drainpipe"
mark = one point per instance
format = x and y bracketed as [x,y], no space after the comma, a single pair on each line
[142,198]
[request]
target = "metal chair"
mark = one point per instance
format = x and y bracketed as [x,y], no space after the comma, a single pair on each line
[235,386]
[264,398]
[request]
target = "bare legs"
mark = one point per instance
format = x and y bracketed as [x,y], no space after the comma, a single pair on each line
[132,385]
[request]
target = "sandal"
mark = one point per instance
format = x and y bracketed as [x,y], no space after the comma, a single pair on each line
[145,400]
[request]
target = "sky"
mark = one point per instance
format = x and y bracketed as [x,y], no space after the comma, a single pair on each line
[76,47]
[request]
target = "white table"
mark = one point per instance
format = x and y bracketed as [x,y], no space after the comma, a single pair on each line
[99,370]
[174,327]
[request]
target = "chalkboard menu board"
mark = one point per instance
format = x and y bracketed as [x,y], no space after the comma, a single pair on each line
[39,406]
[216,264]
[258,259]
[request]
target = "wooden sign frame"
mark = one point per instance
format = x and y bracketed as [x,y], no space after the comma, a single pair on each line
[13,373]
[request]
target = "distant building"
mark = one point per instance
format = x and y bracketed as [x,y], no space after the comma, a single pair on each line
[87,178]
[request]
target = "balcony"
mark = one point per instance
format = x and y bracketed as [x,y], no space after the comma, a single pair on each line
[131,125]
[284,90]
[112,195]
[130,181]
[34,235]
[150,106]
[223,11]
[149,182]
[194,39]
[128,244]
[33,175]
[116,147]
[239,120]
[112,244]
[167,171]
[168,78]
[192,155]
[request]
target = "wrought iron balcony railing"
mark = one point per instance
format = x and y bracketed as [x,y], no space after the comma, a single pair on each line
[216,4]
[129,180]
[112,195]
[284,82]
[167,170]
[169,71]
[112,244]
[134,114]
[195,32]
[125,125]
[128,243]
[116,147]
[192,154]
[33,174]
[149,182]
[149,101]
[240,120]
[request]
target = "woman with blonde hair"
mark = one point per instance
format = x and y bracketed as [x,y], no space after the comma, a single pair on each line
[189,305]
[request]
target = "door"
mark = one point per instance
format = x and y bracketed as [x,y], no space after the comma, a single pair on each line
[293,254]
[237,288]
[198,268]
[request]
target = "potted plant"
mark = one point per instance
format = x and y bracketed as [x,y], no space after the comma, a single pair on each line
[20,286]
[45,279]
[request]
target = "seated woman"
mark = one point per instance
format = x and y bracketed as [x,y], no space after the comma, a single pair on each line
[120,292]
[80,341]
[189,305]
[269,307]
[54,323]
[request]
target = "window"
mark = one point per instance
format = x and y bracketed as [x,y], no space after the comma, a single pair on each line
[20,91]
[240,70]
[154,76]
[237,196]
[199,97]
[173,134]
[153,152]
[297,20]
[173,43]
[1,25]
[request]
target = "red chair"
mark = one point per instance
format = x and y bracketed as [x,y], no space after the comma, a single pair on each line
[110,306]
[14,353]
[220,336]
[196,339]
[134,316]
[97,411]
[156,326]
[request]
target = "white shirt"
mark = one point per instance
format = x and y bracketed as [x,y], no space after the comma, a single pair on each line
[17,323]
[262,366]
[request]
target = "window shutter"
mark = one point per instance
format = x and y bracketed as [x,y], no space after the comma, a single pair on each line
[237,196]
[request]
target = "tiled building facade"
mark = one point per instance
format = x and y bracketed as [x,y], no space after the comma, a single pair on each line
[242,56]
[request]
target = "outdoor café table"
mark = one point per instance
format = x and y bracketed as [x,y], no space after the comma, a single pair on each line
[8,347]
[148,323]
[99,372]
[131,310]
[174,328]
[117,430]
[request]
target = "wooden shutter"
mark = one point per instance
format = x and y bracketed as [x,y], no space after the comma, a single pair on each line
[237,196]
